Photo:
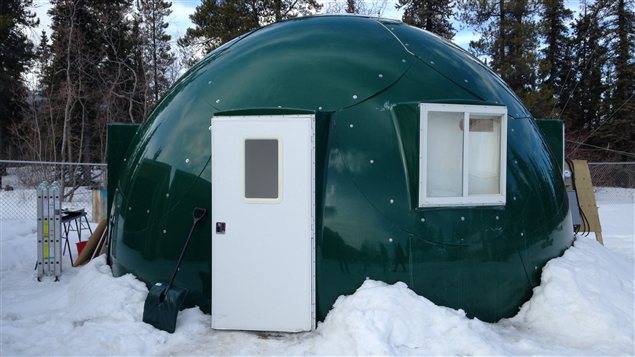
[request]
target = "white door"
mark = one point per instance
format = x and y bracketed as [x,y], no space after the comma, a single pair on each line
[263,223]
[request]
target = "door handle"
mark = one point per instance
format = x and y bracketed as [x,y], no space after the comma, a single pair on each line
[220,227]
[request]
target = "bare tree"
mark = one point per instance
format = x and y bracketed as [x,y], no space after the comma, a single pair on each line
[360,7]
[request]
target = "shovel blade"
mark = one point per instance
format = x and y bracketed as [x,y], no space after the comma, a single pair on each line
[162,306]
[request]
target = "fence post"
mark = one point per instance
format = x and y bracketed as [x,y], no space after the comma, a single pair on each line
[96,205]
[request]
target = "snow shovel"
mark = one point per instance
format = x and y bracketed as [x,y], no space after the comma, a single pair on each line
[164,301]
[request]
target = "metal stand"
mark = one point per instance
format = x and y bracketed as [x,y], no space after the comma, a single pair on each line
[72,221]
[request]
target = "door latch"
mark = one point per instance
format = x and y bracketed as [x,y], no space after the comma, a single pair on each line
[220,227]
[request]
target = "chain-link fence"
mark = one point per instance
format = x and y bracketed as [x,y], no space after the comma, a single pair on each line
[614,181]
[19,180]
[613,174]
[82,184]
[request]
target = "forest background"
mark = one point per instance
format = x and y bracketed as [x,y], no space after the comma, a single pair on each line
[105,61]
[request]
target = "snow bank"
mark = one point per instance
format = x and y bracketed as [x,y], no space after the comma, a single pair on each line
[585,302]
[393,320]
[583,306]
[617,218]
[90,313]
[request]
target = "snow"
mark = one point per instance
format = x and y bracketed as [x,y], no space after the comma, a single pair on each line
[583,306]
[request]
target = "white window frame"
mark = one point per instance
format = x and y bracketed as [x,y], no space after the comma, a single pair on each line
[465,199]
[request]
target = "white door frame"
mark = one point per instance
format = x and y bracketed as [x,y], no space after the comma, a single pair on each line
[285,129]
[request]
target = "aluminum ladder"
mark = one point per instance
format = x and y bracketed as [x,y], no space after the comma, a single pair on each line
[49,230]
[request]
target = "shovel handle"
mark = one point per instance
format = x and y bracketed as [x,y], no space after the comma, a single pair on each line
[197,214]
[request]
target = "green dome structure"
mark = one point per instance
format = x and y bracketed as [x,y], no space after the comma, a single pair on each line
[399,189]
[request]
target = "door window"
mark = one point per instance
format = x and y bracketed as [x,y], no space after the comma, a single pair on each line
[262,168]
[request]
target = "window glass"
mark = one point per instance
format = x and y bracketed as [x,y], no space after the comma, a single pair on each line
[463,151]
[484,155]
[444,169]
[261,168]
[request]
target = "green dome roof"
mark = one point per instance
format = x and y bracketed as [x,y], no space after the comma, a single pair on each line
[369,74]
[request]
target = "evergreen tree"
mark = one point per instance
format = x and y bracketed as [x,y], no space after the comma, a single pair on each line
[430,15]
[351,7]
[617,124]
[622,50]
[156,45]
[16,54]
[278,10]
[37,130]
[509,37]
[43,57]
[555,64]
[218,21]
[582,101]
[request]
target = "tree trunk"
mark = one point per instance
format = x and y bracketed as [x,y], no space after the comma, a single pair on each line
[66,141]
[502,38]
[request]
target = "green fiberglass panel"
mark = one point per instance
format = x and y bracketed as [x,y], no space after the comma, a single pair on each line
[553,132]
[119,138]
[364,79]
[484,260]
[458,67]
[341,66]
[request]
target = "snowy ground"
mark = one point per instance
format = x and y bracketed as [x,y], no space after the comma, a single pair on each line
[584,306]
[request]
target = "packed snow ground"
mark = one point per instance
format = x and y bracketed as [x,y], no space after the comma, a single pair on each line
[583,306]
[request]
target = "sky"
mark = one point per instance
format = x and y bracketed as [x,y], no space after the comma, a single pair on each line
[179,20]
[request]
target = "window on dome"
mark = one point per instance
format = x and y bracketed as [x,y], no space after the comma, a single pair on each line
[461,167]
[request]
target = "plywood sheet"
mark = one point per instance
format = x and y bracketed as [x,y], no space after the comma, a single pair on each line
[586,199]
[93,241]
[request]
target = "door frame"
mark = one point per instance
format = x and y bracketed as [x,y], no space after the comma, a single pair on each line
[311,118]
